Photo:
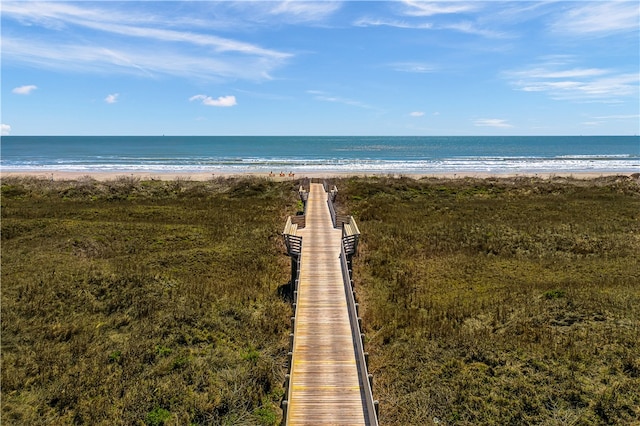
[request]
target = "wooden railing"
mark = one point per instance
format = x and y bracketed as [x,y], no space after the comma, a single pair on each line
[292,241]
[350,235]
[299,221]
[304,194]
[362,357]
[337,219]
[292,335]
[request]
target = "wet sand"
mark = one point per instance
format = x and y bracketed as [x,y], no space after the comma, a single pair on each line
[199,176]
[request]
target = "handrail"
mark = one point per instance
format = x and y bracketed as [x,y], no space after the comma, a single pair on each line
[294,249]
[292,241]
[331,198]
[371,405]
[332,211]
[350,236]
[292,340]
[299,220]
[303,193]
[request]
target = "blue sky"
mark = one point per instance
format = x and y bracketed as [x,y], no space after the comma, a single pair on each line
[320,68]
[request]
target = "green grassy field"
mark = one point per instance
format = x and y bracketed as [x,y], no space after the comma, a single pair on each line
[500,301]
[143,302]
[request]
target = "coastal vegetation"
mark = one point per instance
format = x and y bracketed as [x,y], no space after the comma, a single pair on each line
[485,301]
[500,301]
[143,302]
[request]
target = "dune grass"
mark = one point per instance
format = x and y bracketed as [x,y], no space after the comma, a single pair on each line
[497,301]
[500,301]
[143,302]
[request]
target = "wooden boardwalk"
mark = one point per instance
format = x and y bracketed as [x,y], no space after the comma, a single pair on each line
[325,385]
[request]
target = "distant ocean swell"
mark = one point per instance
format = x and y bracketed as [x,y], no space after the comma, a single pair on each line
[408,155]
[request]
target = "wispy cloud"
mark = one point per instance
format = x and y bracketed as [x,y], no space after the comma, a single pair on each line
[469,27]
[305,11]
[395,23]
[5,129]
[325,97]
[423,8]
[419,15]
[416,114]
[203,54]
[24,90]
[414,67]
[598,18]
[619,117]
[73,57]
[561,80]
[608,119]
[222,101]
[492,122]
[112,98]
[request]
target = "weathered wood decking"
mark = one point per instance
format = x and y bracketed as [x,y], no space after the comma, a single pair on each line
[325,385]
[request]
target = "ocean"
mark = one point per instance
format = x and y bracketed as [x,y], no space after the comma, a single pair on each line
[300,154]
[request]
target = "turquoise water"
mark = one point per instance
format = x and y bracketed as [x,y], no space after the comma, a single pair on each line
[299,154]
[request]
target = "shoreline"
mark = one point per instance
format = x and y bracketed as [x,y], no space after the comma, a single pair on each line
[201,176]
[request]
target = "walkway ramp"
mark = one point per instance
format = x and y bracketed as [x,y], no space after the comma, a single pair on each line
[325,384]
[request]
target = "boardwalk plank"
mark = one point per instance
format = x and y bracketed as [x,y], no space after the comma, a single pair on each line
[325,385]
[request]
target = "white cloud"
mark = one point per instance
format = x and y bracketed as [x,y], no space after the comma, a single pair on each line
[325,97]
[417,67]
[112,45]
[620,117]
[24,90]
[380,22]
[129,24]
[5,129]
[492,122]
[469,27]
[413,17]
[561,80]
[609,119]
[138,61]
[305,11]
[599,18]
[544,73]
[222,101]
[424,8]
[416,114]
[112,98]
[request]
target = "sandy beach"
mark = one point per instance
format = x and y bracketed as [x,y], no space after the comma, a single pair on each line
[104,176]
